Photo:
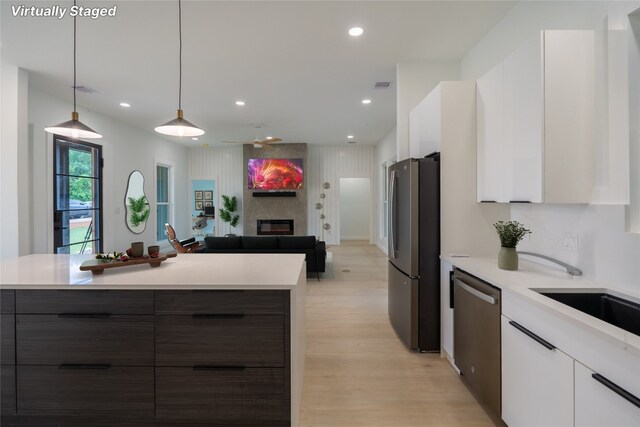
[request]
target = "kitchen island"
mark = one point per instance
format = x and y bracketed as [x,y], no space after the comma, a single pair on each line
[209,339]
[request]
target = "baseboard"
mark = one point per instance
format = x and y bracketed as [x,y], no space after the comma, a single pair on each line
[382,248]
[450,359]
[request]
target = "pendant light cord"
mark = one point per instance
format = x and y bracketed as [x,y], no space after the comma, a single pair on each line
[74,59]
[180,60]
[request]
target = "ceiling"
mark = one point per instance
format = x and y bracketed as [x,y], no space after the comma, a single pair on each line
[293,63]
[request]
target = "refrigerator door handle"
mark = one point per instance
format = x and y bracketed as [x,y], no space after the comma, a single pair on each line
[392,216]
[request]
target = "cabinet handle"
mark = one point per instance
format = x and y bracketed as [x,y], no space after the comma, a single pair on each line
[217,368]
[218,316]
[617,389]
[487,201]
[533,336]
[217,291]
[451,291]
[84,366]
[519,201]
[85,315]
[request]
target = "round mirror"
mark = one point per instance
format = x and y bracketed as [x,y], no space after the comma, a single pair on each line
[326,226]
[136,205]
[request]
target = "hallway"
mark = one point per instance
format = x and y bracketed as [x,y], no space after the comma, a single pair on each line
[357,371]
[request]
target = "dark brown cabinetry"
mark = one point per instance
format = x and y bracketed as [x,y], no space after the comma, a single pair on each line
[7,352]
[155,357]
[222,356]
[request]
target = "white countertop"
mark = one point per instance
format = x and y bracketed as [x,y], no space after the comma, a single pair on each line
[186,271]
[531,275]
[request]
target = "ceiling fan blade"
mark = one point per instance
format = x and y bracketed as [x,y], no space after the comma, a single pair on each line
[270,141]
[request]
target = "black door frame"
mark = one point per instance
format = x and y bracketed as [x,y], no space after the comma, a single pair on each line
[57,240]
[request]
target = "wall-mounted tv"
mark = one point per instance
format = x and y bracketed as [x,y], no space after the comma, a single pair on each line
[274,174]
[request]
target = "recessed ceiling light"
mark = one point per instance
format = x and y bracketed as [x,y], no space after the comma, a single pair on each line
[356,31]
[125,105]
[366,101]
[194,138]
[240,103]
[349,136]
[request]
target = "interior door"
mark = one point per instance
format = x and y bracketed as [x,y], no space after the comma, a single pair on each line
[77,197]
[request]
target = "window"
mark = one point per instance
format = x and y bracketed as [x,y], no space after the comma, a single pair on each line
[77,195]
[164,198]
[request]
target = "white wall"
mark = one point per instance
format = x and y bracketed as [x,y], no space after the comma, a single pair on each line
[415,80]
[226,167]
[329,164]
[12,138]
[605,252]
[355,208]
[386,151]
[125,149]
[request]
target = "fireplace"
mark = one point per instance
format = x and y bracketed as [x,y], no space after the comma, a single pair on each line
[275,226]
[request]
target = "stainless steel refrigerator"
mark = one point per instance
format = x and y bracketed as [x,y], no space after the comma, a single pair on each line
[414,252]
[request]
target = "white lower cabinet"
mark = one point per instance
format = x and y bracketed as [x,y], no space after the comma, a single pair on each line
[537,382]
[599,406]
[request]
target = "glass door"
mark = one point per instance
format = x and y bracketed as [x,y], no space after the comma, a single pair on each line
[77,197]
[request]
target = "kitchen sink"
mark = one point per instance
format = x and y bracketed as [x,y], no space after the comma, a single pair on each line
[609,308]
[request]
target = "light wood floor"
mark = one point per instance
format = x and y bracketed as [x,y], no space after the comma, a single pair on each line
[357,372]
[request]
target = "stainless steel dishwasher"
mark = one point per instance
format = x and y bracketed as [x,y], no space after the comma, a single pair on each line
[476,338]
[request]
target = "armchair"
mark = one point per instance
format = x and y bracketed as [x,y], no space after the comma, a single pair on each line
[182,246]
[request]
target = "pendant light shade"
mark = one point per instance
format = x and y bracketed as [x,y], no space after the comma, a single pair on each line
[179,126]
[73,128]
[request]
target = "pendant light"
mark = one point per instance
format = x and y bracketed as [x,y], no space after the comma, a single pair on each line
[73,128]
[179,126]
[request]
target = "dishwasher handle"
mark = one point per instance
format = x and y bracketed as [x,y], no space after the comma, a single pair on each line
[476,293]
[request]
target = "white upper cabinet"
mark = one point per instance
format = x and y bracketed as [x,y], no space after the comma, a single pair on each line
[425,128]
[490,139]
[536,114]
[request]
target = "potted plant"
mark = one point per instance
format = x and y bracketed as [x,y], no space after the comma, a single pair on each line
[510,233]
[228,210]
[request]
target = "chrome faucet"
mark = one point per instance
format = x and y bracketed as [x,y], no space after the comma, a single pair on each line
[570,269]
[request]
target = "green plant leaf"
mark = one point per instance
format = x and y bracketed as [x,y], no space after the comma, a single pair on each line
[510,233]
[230,206]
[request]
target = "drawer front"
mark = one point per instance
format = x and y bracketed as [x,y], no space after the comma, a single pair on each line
[249,394]
[84,302]
[7,339]
[8,390]
[221,302]
[250,341]
[50,390]
[7,301]
[54,340]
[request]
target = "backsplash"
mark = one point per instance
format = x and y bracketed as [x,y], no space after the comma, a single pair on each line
[604,252]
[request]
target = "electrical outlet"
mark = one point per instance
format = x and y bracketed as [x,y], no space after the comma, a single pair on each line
[570,242]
